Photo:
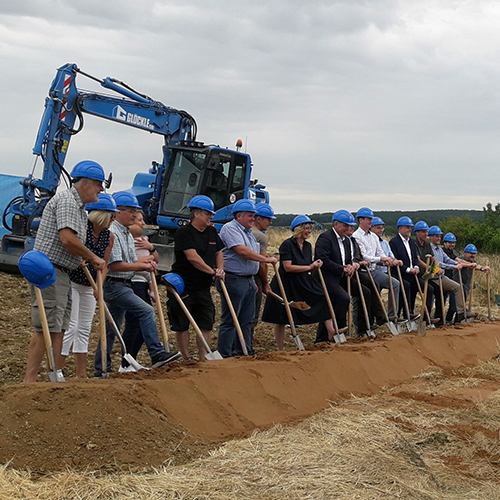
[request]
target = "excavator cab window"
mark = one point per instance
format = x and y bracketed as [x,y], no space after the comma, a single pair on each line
[184,181]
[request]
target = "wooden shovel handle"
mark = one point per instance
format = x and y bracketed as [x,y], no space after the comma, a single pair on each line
[405,299]
[287,305]
[349,309]
[328,301]
[235,318]
[377,293]
[189,316]
[363,301]
[45,329]
[102,321]
[161,316]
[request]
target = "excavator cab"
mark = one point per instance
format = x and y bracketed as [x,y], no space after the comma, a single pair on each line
[220,174]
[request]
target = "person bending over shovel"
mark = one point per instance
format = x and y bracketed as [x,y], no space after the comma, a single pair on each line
[198,259]
[296,265]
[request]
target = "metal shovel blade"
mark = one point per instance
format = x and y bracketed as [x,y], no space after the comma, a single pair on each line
[392,328]
[422,329]
[401,326]
[133,362]
[336,338]
[371,334]
[342,338]
[213,355]
[298,343]
[56,376]
[412,326]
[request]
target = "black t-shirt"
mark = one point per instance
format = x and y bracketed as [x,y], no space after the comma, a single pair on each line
[206,244]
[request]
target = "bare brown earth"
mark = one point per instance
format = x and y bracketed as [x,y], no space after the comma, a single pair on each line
[173,415]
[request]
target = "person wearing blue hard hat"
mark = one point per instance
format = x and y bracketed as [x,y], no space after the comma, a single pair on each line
[336,251]
[264,216]
[404,249]
[469,257]
[447,284]
[372,252]
[61,236]
[100,241]
[296,266]
[198,260]
[118,293]
[241,263]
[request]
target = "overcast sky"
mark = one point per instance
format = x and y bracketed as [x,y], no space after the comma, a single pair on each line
[342,103]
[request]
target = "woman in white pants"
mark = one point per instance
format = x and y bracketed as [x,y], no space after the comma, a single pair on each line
[100,241]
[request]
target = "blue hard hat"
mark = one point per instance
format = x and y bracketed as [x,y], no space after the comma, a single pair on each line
[470,248]
[365,212]
[421,225]
[37,268]
[264,210]
[344,216]
[433,230]
[404,221]
[450,237]
[377,221]
[300,219]
[106,202]
[244,206]
[176,281]
[202,202]
[89,170]
[125,199]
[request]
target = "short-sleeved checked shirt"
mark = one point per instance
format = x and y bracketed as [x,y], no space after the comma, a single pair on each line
[123,250]
[64,210]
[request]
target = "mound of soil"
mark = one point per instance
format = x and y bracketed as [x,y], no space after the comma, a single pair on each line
[138,421]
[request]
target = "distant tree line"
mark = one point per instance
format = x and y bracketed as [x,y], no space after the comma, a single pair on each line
[485,233]
[469,226]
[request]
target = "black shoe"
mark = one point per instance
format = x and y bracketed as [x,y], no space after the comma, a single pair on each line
[165,358]
[471,315]
[414,316]
[380,321]
[459,317]
[438,324]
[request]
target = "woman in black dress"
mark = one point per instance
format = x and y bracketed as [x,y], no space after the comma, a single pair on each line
[296,266]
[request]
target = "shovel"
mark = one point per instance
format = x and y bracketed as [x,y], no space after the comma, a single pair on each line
[235,318]
[161,317]
[422,331]
[102,325]
[488,286]
[125,355]
[296,338]
[441,293]
[392,327]
[427,315]
[399,325]
[299,304]
[339,337]
[210,355]
[471,290]
[369,331]
[54,374]
[411,324]
[466,319]
[349,310]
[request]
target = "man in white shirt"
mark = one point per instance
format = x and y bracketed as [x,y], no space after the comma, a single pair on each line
[371,250]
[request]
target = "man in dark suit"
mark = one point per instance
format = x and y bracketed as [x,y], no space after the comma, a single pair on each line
[334,248]
[403,248]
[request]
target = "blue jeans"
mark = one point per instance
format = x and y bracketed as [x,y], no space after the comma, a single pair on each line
[242,294]
[120,298]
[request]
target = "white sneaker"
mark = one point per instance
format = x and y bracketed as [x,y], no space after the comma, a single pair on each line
[126,369]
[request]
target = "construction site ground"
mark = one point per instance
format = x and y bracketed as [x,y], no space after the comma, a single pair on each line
[175,416]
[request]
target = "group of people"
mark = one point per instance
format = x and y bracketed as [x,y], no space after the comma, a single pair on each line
[355,265]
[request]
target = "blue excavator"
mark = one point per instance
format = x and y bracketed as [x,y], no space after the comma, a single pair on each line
[188,167]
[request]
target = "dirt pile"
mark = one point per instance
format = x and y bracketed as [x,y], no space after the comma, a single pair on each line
[147,419]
